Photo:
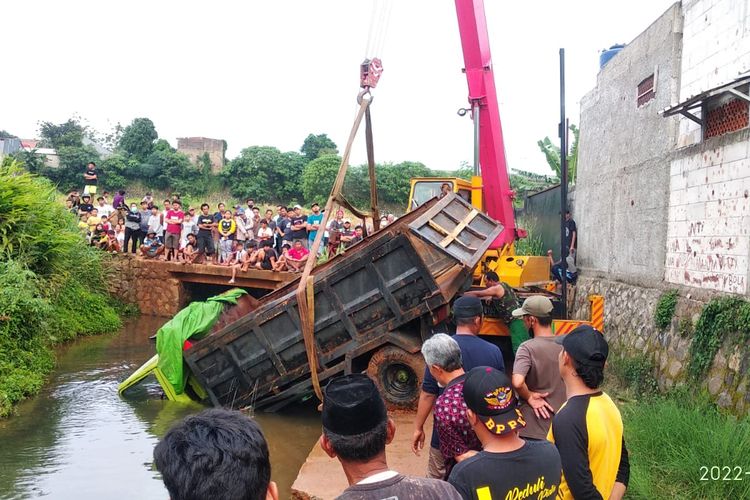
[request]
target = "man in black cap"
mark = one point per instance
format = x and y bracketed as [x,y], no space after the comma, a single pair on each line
[467,312]
[507,466]
[356,429]
[588,428]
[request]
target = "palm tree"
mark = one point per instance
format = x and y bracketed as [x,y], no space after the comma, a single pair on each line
[552,154]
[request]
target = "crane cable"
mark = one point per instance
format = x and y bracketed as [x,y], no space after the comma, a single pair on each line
[378,30]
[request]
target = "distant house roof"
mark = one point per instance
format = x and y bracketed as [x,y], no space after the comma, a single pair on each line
[29,143]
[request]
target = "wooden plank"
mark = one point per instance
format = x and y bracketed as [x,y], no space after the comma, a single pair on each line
[459,227]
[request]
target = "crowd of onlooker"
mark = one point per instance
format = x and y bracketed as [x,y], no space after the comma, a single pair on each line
[240,237]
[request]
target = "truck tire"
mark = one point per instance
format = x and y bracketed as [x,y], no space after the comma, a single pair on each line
[398,376]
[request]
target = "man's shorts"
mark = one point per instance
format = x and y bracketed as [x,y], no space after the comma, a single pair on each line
[205,243]
[89,190]
[172,241]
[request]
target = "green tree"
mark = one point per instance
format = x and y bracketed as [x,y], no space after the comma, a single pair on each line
[73,160]
[316,146]
[138,138]
[166,168]
[265,173]
[318,178]
[31,160]
[115,171]
[4,134]
[394,181]
[524,183]
[68,134]
[552,154]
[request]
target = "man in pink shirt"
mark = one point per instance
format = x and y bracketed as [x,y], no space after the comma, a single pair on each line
[297,256]
[174,219]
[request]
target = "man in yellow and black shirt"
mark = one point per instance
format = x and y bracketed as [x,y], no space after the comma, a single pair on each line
[587,429]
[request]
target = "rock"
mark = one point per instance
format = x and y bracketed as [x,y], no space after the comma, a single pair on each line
[714,385]
[734,361]
[724,401]
[675,368]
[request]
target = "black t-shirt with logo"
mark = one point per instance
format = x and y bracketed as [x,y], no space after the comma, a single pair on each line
[85,207]
[90,182]
[532,471]
[302,233]
[205,219]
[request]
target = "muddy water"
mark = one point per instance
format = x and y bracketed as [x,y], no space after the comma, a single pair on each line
[78,439]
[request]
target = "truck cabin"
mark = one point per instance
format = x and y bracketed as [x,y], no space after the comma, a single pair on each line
[424,189]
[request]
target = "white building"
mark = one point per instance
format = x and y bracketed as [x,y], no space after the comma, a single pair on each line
[708,232]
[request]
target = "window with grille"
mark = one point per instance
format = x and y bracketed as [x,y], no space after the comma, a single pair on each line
[646,90]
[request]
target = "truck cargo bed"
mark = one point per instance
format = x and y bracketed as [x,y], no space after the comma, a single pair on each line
[372,295]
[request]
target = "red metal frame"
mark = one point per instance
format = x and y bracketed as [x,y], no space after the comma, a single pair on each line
[475,42]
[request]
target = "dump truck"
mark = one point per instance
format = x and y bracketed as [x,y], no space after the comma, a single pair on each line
[373,307]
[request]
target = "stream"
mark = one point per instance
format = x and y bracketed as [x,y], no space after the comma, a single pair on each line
[79,439]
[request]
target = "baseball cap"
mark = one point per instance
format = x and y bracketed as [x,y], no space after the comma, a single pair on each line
[488,393]
[315,205]
[586,345]
[347,221]
[297,206]
[536,305]
[467,307]
[352,405]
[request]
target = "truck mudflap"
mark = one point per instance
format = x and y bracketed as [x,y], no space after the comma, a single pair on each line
[378,289]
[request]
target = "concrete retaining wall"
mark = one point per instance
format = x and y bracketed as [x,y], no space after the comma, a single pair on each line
[631,332]
[147,284]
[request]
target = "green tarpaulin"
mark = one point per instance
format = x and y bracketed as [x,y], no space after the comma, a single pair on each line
[194,321]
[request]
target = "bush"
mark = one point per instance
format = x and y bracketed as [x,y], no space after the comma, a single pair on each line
[720,317]
[665,309]
[51,283]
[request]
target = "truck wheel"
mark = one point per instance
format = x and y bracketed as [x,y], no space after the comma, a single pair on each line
[398,376]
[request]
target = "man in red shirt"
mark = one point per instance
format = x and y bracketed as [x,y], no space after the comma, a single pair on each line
[297,256]
[174,219]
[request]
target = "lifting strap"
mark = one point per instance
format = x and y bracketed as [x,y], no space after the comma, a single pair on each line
[305,292]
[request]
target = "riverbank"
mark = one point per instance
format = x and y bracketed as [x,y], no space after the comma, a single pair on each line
[52,284]
[79,439]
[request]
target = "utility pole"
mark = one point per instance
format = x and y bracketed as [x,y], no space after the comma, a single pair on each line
[563,185]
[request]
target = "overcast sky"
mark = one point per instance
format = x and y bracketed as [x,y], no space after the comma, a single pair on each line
[271,72]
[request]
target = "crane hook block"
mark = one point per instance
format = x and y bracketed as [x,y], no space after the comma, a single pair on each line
[369,72]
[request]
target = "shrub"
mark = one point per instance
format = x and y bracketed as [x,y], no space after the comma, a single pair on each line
[51,283]
[721,316]
[665,309]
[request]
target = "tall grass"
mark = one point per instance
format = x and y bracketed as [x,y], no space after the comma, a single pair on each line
[671,436]
[671,439]
[52,284]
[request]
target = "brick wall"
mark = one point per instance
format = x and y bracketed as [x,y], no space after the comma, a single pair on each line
[195,147]
[715,50]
